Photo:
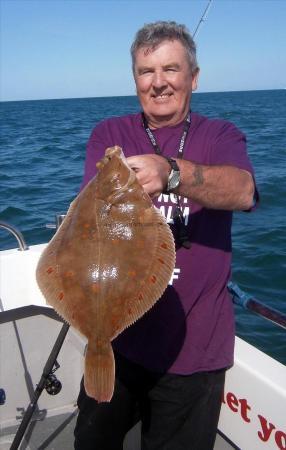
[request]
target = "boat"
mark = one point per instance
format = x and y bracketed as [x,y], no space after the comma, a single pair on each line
[38,349]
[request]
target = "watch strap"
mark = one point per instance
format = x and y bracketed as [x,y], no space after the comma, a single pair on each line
[172,163]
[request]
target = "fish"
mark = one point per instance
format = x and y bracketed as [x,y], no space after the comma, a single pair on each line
[109,262]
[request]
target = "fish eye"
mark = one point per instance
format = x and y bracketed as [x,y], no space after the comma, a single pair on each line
[115,176]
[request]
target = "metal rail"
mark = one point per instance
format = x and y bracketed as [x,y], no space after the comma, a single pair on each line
[247,302]
[17,234]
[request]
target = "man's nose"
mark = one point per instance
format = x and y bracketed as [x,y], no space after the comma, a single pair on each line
[159,80]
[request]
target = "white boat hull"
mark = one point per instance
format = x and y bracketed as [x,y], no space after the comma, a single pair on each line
[253,412]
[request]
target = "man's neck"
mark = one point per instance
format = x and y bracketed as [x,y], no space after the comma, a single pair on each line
[161,122]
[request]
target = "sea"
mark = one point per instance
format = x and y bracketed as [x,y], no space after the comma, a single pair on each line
[42,153]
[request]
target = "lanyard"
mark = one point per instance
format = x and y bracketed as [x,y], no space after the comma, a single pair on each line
[180,228]
[154,143]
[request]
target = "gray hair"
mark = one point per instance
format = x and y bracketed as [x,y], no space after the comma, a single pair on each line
[152,34]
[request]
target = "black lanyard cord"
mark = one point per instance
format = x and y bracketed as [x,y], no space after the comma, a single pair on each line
[154,143]
[178,218]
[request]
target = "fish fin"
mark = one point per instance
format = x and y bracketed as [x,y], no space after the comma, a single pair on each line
[99,372]
[159,271]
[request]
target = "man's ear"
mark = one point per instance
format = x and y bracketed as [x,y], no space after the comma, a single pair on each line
[195,77]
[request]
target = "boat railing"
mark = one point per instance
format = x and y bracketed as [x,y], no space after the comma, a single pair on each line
[239,297]
[17,234]
[59,220]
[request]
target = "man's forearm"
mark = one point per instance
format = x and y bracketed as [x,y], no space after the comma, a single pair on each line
[217,187]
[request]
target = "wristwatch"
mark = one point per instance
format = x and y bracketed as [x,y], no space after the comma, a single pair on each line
[174,177]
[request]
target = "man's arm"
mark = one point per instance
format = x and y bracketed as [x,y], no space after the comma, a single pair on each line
[216,187]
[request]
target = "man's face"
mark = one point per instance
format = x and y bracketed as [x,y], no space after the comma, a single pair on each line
[164,83]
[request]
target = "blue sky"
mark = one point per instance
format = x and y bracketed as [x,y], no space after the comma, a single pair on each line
[80,48]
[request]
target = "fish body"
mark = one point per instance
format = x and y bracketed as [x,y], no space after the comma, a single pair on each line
[108,263]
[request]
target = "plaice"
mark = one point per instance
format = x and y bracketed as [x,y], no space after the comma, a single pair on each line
[108,263]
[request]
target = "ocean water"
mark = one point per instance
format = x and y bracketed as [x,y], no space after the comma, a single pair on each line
[42,152]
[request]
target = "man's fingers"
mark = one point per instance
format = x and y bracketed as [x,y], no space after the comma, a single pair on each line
[135,162]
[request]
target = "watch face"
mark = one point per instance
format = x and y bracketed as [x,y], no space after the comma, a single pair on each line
[174,180]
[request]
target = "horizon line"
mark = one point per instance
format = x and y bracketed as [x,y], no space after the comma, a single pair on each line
[118,96]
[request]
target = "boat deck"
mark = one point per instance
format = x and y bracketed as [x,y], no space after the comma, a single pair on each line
[56,433]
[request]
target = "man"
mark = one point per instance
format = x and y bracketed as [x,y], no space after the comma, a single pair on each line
[170,365]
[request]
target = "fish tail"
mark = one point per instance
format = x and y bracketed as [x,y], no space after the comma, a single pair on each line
[99,371]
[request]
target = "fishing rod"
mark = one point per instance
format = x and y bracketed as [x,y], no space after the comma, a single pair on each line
[249,303]
[48,381]
[202,19]
[240,297]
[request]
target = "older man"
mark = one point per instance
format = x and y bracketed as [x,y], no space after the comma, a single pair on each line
[170,365]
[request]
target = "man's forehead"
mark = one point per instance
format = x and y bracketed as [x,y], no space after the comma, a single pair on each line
[147,50]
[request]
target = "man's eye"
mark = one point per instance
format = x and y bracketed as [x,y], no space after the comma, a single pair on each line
[143,71]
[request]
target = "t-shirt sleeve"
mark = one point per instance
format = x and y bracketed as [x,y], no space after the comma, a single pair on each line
[95,150]
[229,148]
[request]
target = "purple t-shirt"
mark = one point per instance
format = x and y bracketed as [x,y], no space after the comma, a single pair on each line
[191,328]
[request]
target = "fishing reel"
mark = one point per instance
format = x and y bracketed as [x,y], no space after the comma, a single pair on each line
[52,385]
[2,396]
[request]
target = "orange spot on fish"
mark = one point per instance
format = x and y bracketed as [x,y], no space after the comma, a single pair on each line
[86,225]
[115,321]
[95,288]
[131,273]
[69,274]
[61,295]
[153,279]
[161,260]
[84,236]
[164,245]
[50,270]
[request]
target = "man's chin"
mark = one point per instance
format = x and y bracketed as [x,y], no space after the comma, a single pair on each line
[161,119]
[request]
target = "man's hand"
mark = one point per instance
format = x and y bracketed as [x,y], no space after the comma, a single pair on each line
[152,172]
[215,187]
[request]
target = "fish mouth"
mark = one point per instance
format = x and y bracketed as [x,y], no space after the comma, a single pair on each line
[114,151]
[113,154]
[110,152]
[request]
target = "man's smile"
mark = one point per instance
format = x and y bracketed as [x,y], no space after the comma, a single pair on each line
[161,97]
